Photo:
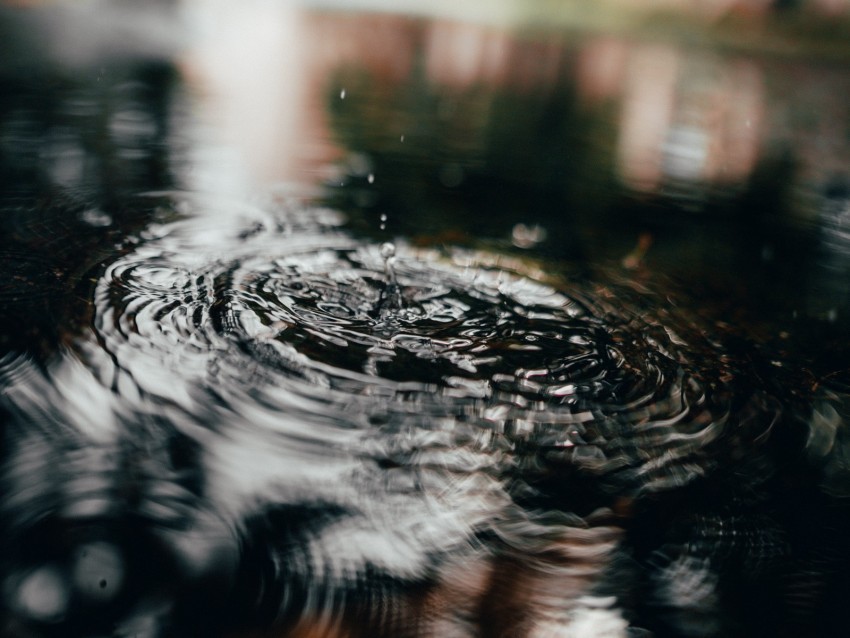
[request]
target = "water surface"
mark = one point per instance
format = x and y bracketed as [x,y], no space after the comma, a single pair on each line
[467,355]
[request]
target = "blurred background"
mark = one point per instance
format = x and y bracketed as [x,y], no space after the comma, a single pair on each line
[698,150]
[713,132]
[707,141]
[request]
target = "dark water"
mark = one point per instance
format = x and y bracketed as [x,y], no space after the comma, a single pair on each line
[463,375]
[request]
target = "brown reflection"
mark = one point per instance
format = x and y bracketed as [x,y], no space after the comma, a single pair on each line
[718,10]
[277,79]
[647,115]
[691,118]
[600,68]
[461,55]
[263,71]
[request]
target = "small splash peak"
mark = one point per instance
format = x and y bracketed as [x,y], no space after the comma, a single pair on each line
[387,251]
[391,294]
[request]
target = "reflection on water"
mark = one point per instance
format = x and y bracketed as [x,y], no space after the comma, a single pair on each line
[284,413]
[559,348]
[724,160]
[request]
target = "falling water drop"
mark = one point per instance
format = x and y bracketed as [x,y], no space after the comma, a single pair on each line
[383,221]
[342,94]
[402,138]
[371,178]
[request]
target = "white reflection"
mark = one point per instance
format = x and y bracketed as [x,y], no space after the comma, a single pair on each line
[42,594]
[246,60]
[685,153]
[646,115]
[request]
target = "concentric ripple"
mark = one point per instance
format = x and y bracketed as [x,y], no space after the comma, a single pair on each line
[383,338]
[285,415]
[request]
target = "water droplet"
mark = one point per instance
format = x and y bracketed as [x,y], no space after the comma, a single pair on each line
[95,217]
[342,94]
[387,250]
[371,178]
[524,236]
[391,295]
[402,138]
[383,221]
[388,255]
